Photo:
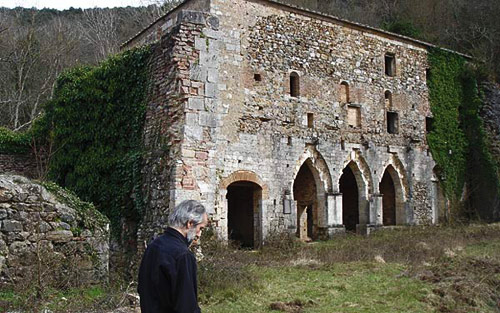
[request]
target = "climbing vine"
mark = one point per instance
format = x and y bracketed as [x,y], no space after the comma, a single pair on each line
[458,141]
[12,142]
[95,122]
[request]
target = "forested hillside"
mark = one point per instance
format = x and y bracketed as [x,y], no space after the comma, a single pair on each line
[36,45]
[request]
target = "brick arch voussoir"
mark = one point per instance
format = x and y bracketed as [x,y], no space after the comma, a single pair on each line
[245,176]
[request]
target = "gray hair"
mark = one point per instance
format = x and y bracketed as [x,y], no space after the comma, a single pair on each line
[186,211]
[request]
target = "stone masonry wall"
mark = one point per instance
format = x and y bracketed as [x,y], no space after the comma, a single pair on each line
[177,83]
[20,164]
[241,122]
[45,240]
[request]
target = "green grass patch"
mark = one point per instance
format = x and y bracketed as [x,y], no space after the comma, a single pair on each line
[352,287]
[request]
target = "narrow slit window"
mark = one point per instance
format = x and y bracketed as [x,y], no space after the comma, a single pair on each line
[392,122]
[428,124]
[390,64]
[310,120]
[388,99]
[294,85]
[344,92]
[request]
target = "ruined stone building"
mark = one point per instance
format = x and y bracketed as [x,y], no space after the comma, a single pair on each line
[282,119]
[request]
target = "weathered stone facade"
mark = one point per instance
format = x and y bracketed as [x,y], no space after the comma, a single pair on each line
[19,164]
[43,240]
[281,119]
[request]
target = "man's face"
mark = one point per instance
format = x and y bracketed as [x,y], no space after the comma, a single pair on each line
[194,231]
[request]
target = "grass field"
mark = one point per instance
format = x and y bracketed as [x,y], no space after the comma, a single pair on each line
[413,269]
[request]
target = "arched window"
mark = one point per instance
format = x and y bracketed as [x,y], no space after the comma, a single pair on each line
[294,84]
[388,99]
[390,64]
[344,92]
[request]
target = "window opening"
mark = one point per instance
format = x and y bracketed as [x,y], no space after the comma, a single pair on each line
[294,84]
[344,92]
[428,124]
[257,77]
[392,122]
[388,99]
[310,120]
[390,64]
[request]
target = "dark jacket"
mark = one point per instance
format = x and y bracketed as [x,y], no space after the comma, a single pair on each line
[167,276]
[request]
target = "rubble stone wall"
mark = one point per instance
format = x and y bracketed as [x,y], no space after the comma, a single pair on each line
[45,240]
[240,118]
[20,164]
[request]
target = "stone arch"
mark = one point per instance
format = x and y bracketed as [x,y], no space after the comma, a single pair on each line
[397,172]
[248,187]
[398,200]
[355,197]
[245,176]
[318,163]
[310,185]
[361,170]
[400,172]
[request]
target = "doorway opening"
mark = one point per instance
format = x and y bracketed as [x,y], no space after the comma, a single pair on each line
[305,194]
[388,192]
[243,200]
[350,199]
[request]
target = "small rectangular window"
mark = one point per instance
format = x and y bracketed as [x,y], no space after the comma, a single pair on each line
[428,124]
[257,77]
[390,64]
[294,85]
[310,120]
[354,116]
[392,122]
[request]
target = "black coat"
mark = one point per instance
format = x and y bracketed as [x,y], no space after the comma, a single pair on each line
[167,276]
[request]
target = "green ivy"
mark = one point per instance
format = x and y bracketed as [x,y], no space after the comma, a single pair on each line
[12,142]
[95,122]
[458,140]
[447,140]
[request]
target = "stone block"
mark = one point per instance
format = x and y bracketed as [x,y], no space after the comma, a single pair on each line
[210,90]
[213,75]
[208,119]
[200,43]
[198,73]
[196,103]
[192,119]
[12,226]
[59,235]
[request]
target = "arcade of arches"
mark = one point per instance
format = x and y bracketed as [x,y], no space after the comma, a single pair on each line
[244,201]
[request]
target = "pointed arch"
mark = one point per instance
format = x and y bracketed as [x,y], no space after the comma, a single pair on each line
[361,170]
[395,169]
[318,163]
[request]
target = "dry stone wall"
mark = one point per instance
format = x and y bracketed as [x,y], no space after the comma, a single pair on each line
[45,240]
[20,164]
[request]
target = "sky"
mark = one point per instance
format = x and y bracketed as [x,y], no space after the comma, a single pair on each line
[66,4]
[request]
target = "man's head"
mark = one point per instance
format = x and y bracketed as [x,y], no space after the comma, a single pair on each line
[189,218]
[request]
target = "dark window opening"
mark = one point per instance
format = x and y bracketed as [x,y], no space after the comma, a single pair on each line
[310,120]
[428,73]
[392,122]
[344,93]
[388,99]
[289,140]
[390,64]
[294,85]
[428,124]
[257,77]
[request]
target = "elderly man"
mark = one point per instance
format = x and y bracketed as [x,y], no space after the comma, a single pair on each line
[167,276]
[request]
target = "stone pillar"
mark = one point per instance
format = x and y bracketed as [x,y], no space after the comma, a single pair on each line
[335,224]
[290,213]
[376,206]
[222,215]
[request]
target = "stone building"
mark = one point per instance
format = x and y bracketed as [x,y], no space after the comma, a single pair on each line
[283,119]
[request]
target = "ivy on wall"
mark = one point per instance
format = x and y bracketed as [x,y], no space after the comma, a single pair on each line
[447,140]
[95,122]
[458,141]
[12,142]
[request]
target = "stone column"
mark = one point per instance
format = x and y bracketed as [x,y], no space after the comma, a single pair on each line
[335,223]
[376,210]
[222,215]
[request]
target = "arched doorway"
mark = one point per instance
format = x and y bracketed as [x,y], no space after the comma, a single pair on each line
[388,192]
[350,199]
[305,195]
[243,203]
